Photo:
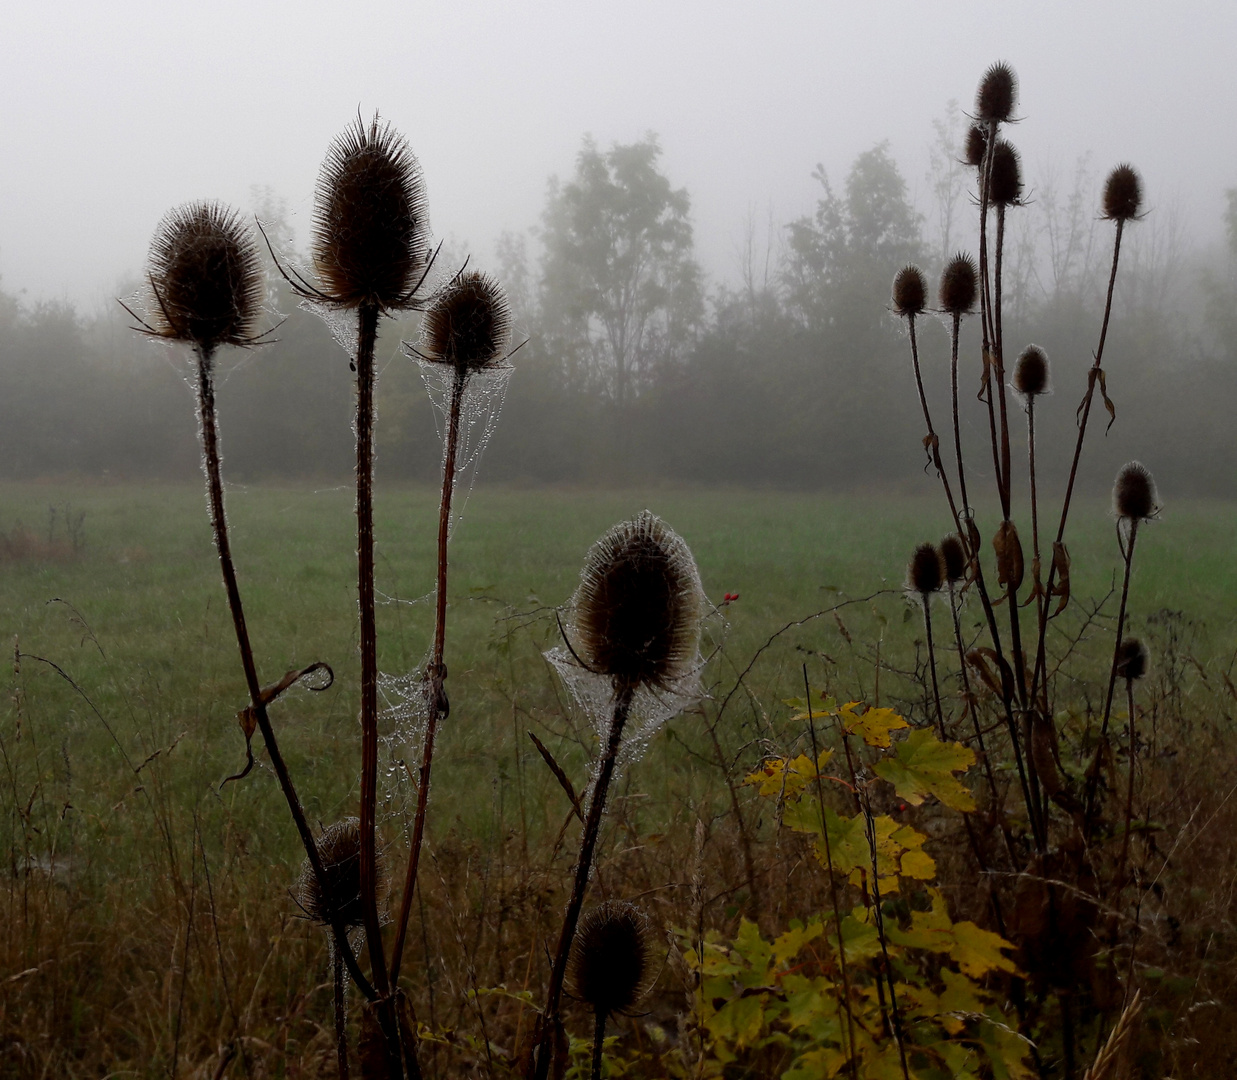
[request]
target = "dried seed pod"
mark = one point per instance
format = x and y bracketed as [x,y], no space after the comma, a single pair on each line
[206,277]
[910,291]
[1009,563]
[1123,194]
[1133,494]
[1132,659]
[997,95]
[953,554]
[339,851]
[1031,372]
[1006,182]
[639,604]
[959,285]
[926,572]
[613,958]
[976,146]
[370,220]
[468,324]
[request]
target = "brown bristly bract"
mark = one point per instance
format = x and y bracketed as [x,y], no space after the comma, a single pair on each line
[1133,494]
[959,285]
[1132,657]
[997,96]
[339,850]
[468,323]
[1123,194]
[638,607]
[1031,372]
[925,573]
[613,959]
[976,145]
[206,277]
[953,557]
[1005,184]
[370,219]
[910,291]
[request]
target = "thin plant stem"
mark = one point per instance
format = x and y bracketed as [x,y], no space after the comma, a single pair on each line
[341,1013]
[624,692]
[930,440]
[936,692]
[1129,790]
[998,348]
[844,991]
[953,381]
[599,1038]
[880,933]
[219,524]
[438,705]
[1035,563]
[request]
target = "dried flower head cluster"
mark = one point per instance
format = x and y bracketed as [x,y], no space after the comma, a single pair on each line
[613,959]
[959,285]
[953,555]
[639,604]
[370,219]
[1123,194]
[1031,372]
[910,291]
[205,276]
[1005,184]
[468,324]
[1132,658]
[1133,494]
[926,572]
[976,145]
[997,96]
[339,895]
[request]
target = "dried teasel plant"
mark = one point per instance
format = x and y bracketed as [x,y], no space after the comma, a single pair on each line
[466,330]
[1032,379]
[613,965]
[926,576]
[636,619]
[206,290]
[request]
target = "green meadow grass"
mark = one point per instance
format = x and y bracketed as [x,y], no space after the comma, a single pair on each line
[139,623]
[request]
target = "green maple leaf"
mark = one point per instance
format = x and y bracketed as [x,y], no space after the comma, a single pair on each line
[923,766]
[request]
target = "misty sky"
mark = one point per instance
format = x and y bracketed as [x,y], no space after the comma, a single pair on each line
[110,113]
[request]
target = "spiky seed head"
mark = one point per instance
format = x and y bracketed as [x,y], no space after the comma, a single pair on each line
[370,220]
[959,284]
[997,95]
[1031,372]
[206,277]
[976,145]
[1123,194]
[926,572]
[1006,181]
[910,291]
[339,851]
[1133,494]
[1132,659]
[468,324]
[953,555]
[639,604]
[613,960]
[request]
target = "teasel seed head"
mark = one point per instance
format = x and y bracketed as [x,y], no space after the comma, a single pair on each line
[959,285]
[1123,194]
[953,555]
[613,960]
[1031,375]
[468,324]
[639,605]
[976,145]
[370,220]
[206,277]
[1006,181]
[926,572]
[1132,659]
[910,291]
[339,894]
[997,95]
[1133,494]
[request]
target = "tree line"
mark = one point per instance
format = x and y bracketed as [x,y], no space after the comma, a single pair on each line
[636,370]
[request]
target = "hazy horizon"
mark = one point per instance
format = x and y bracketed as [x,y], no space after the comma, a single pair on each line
[117,113]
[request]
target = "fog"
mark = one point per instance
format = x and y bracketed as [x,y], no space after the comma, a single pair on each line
[113,113]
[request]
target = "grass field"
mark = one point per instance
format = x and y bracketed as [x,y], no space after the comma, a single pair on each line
[137,620]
